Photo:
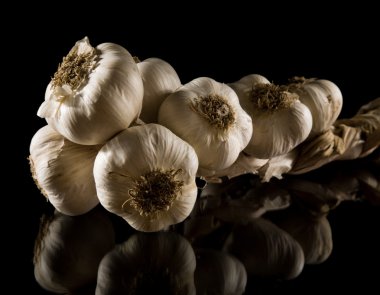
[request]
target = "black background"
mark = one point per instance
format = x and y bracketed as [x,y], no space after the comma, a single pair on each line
[225,43]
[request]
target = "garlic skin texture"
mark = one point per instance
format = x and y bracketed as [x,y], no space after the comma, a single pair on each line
[207,115]
[159,79]
[95,93]
[280,121]
[324,100]
[146,175]
[62,171]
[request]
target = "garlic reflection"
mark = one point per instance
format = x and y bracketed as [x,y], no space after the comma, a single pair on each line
[146,174]
[155,263]
[69,249]
[370,186]
[280,121]
[311,232]
[266,250]
[160,80]
[317,197]
[95,93]
[200,223]
[63,171]
[243,199]
[219,273]
[207,115]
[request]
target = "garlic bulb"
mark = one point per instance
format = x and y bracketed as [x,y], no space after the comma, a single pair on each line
[69,249]
[62,171]
[266,250]
[323,98]
[160,80]
[95,93]
[207,114]
[280,121]
[219,273]
[158,263]
[146,174]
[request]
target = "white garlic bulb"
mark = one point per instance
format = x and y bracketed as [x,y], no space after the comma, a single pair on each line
[280,121]
[324,100]
[146,174]
[95,93]
[160,80]
[207,114]
[62,171]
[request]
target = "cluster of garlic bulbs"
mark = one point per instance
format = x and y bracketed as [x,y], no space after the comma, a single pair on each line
[129,135]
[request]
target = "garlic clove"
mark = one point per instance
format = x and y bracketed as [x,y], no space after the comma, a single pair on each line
[95,93]
[280,121]
[62,171]
[207,115]
[160,80]
[146,175]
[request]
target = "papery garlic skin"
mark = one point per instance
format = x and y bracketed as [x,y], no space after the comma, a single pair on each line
[159,79]
[89,105]
[277,166]
[324,100]
[63,171]
[207,114]
[279,125]
[143,154]
[244,164]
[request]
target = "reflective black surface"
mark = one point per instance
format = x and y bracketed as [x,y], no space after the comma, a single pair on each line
[314,231]
[334,46]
